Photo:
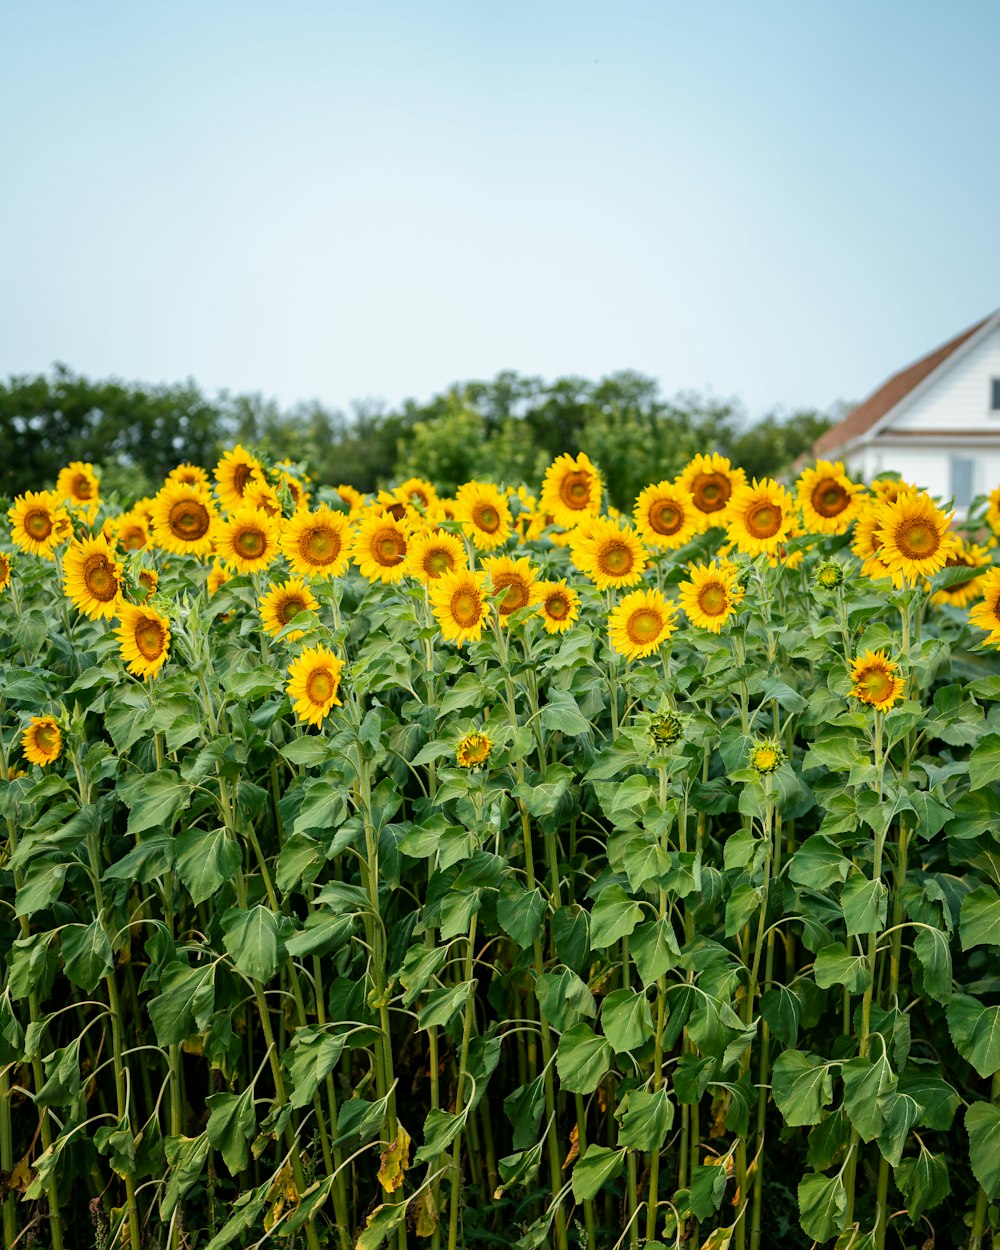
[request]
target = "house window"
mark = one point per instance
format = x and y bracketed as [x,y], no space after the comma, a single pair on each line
[962,471]
[995,395]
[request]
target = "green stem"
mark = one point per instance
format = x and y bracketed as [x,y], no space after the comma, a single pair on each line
[463,1064]
[982,1200]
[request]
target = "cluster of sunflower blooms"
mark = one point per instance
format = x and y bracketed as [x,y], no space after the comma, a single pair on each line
[249,516]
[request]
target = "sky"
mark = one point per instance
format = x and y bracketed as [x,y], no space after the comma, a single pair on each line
[783,202]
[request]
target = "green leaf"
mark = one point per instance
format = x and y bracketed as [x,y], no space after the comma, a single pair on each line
[543,799]
[646,1118]
[782,1012]
[614,916]
[595,1167]
[564,998]
[41,888]
[524,1109]
[562,714]
[311,1057]
[251,938]
[822,1206]
[520,912]
[626,1020]
[570,927]
[982,1123]
[654,948]
[932,950]
[187,997]
[818,863]
[984,763]
[867,1084]
[582,1059]
[519,1168]
[230,1126]
[324,806]
[186,1157]
[938,1101]
[87,954]
[206,860]
[980,920]
[802,1087]
[420,964]
[381,1225]
[440,1130]
[443,1005]
[154,800]
[864,903]
[644,859]
[924,1182]
[834,966]
[707,1188]
[742,906]
[975,1030]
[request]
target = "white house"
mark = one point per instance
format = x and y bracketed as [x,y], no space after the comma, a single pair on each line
[936,422]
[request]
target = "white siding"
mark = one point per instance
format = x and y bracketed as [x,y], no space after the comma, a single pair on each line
[930,467]
[960,398]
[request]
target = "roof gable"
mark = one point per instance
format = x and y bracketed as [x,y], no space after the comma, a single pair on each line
[892,392]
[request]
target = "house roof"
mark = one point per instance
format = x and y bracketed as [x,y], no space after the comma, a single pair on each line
[871,410]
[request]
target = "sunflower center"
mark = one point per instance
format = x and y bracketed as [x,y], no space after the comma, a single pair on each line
[81,487]
[476,749]
[132,539]
[189,520]
[917,539]
[38,525]
[666,518]
[712,599]
[47,737]
[99,576]
[250,543]
[486,518]
[516,596]
[291,608]
[764,759]
[617,558]
[319,685]
[242,475]
[150,638]
[320,545]
[644,625]
[388,548]
[829,498]
[711,491]
[466,608]
[557,607]
[763,520]
[574,491]
[876,684]
[147,579]
[438,561]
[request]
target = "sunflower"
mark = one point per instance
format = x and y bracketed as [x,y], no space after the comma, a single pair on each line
[711,595]
[131,531]
[248,540]
[915,535]
[484,513]
[77,485]
[41,740]
[517,579]
[766,756]
[986,615]
[143,639]
[233,474]
[960,594]
[711,481]
[354,499]
[665,516]
[876,680]
[610,553]
[665,728]
[313,682]
[866,543]
[295,488]
[460,606]
[474,750]
[149,581]
[282,602]
[183,518]
[316,543]
[143,509]
[37,522]
[433,554]
[888,489]
[560,606]
[218,576]
[761,516]
[641,623]
[380,547]
[828,574]
[416,490]
[92,577]
[571,490]
[4,571]
[189,475]
[828,498]
[262,495]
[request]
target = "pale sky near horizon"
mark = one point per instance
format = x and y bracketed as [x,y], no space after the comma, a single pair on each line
[779,201]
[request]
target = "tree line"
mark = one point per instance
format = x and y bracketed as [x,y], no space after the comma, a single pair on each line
[507,429]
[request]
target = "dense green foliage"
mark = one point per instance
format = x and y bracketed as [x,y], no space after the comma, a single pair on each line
[506,429]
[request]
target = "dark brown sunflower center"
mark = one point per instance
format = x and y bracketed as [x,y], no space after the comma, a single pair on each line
[242,476]
[665,517]
[320,545]
[291,607]
[644,625]
[319,685]
[574,490]
[617,558]
[712,599]
[711,491]
[388,548]
[438,561]
[763,520]
[99,577]
[132,538]
[466,607]
[81,487]
[557,607]
[486,518]
[917,539]
[150,638]
[516,596]
[38,524]
[250,543]
[47,737]
[189,520]
[829,498]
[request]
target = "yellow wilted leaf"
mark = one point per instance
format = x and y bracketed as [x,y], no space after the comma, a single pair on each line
[574,1146]
[718,1239]
[395,1161]
[20,1176]
[426,1215]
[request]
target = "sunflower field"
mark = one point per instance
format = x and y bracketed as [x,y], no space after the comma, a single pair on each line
[499,870]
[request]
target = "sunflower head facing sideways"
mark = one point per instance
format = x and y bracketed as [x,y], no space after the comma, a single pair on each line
[711,481]
[876,680]
[434,553]
[248,539]
[282,603]
[5,571]
[143,639]
[761,517]
[77,486]
[641,623]
[131,531]
[473,750]
[915,536]
[93,577]
[571,490]
[380,547]
[484,513]
[514,583]
[41,740]
[559,605]
[183,516]
[711,595]
[233,474]
[38,523]
[317,544]
[610,553]
[666,516]
[986,614]
[460,605]
[189,475]
[218,575]
[313,684]
[828,498]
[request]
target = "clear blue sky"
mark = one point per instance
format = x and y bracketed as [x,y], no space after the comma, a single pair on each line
[783,201]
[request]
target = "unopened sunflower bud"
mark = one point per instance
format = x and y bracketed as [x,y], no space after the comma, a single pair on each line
[766,756]
[828,575]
